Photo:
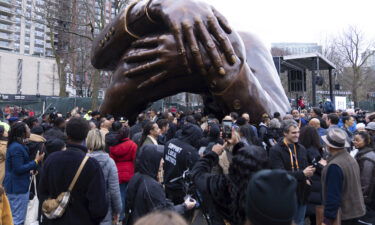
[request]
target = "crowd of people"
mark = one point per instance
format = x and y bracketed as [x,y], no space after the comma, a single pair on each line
[185,168]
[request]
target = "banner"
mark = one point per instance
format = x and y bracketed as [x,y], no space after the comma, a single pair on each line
[340,102]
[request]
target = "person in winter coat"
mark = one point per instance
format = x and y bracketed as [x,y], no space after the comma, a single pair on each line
[111,138]
[180,154]
[263,127]
[213,136]
[274,133]
[57,131]
[366,161]
[95,144]
[150,134]
[291,156]
[36,141]
[5,212]
[17,170]
[224,196]
[145,193]
[124,154]
[3,152]
[88,204]
[310,139]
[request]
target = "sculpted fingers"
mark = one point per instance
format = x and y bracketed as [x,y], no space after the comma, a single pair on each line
[144,68]
[147,42]
[141,55]
[210,46]
[222,21]
[223,39]
[194,48]
[153,80]
[177,33]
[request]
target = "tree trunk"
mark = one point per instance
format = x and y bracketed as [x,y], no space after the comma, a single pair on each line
[62,79]
[95,90]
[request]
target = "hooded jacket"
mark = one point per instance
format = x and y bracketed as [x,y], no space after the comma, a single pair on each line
[112,184]
[124,156]
[181,154]
[145,193]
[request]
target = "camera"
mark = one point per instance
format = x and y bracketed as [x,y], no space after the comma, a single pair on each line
[315,162]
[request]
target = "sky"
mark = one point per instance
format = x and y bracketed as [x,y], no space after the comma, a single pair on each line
[298,20]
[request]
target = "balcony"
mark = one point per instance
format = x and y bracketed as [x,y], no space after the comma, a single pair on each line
[6,19]
[39,43]
[6,46]
[6,11]
[6,37]
[8,3]
[6,28]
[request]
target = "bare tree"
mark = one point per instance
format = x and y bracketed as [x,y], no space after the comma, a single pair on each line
[354,50]
[350,52]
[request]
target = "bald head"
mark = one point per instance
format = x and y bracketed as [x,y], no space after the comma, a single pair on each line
[106,124]
[315,123]
[246,116]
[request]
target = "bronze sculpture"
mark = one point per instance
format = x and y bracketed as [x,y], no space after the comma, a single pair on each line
[159,48]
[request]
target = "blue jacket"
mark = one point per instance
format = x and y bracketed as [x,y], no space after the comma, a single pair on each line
[17,169]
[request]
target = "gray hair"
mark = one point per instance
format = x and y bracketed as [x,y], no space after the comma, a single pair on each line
[275,123]
[286,124]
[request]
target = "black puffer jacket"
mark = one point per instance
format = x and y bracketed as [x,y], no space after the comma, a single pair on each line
[144,193]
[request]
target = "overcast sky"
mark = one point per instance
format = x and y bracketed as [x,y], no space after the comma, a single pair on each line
[298,20]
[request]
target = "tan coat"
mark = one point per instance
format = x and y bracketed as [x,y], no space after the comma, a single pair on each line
[3,152]
[5,211]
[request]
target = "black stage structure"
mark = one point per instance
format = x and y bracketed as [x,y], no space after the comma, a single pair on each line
[296,67]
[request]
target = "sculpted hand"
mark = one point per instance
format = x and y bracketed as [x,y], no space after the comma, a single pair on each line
[195,21]
[156,55]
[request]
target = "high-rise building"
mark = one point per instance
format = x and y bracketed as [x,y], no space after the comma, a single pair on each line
[297,48]
[7,24]
[23,28]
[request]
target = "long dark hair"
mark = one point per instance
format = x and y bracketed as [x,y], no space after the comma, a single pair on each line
[17,133]
[246,162]
[309,137]
[146,131]
[248,133]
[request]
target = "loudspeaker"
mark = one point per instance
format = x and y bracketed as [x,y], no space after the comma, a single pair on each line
[319,80]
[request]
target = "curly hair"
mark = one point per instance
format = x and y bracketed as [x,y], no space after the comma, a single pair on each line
[246,162]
